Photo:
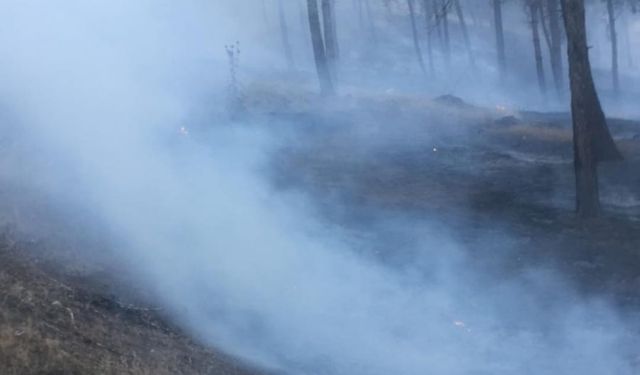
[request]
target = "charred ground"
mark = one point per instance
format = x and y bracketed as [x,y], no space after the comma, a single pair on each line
[487,172]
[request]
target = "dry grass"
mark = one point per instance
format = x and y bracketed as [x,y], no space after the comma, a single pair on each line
[540,133]
[53,327]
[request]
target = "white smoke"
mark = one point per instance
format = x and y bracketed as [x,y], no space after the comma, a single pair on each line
[104,88]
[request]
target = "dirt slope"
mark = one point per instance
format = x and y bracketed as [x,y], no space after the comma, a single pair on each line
[53,325]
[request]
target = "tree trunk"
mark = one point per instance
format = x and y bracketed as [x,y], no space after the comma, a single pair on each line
[322,67]
[465,32]
[437,22]
[627,42]
[614,46]
[330,32]
[497,15]
[428,13]
[534,10]
[545,29]
[555,52]
[591,138]
[445,27]
[414,31]
[284,32]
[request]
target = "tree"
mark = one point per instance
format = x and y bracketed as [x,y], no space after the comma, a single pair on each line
[438,25]
[284,33]
[444,8]
[428,13]
[319,53]
[614,46]
[465,31]
[533,8]
[497,18]
[591,138]
[330,33]
[414,31]
[555,45]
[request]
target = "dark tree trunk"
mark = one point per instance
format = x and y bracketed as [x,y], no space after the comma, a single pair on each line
[445,28]
[627,42]
[534,10]
[465,32]
[284,32]
[414,31]
[545,29]
[591,138]
[437,22]
[322,67]
[614,46]
[497,18]
[555,51]
[330,32]
[428,13]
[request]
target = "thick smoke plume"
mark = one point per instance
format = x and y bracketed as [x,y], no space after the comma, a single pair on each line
[103,89]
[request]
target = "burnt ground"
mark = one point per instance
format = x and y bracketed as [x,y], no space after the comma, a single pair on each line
[58,320]
[480,173]
[500,182]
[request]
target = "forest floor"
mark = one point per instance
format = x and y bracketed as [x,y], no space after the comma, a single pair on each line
[59,321]
[479,172]
[499,181]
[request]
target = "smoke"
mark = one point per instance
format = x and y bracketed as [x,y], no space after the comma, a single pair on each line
[103,89]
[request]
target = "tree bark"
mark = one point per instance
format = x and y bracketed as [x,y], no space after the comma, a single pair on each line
[322,67]
[555,51]
[534,10]
[445,28]
[497,18]
[591,138]
[330,32]
[284,33]
[414,31]
[627,42]
[428,13]
[614,46]
[545,29]
[437,24]
[465,32]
